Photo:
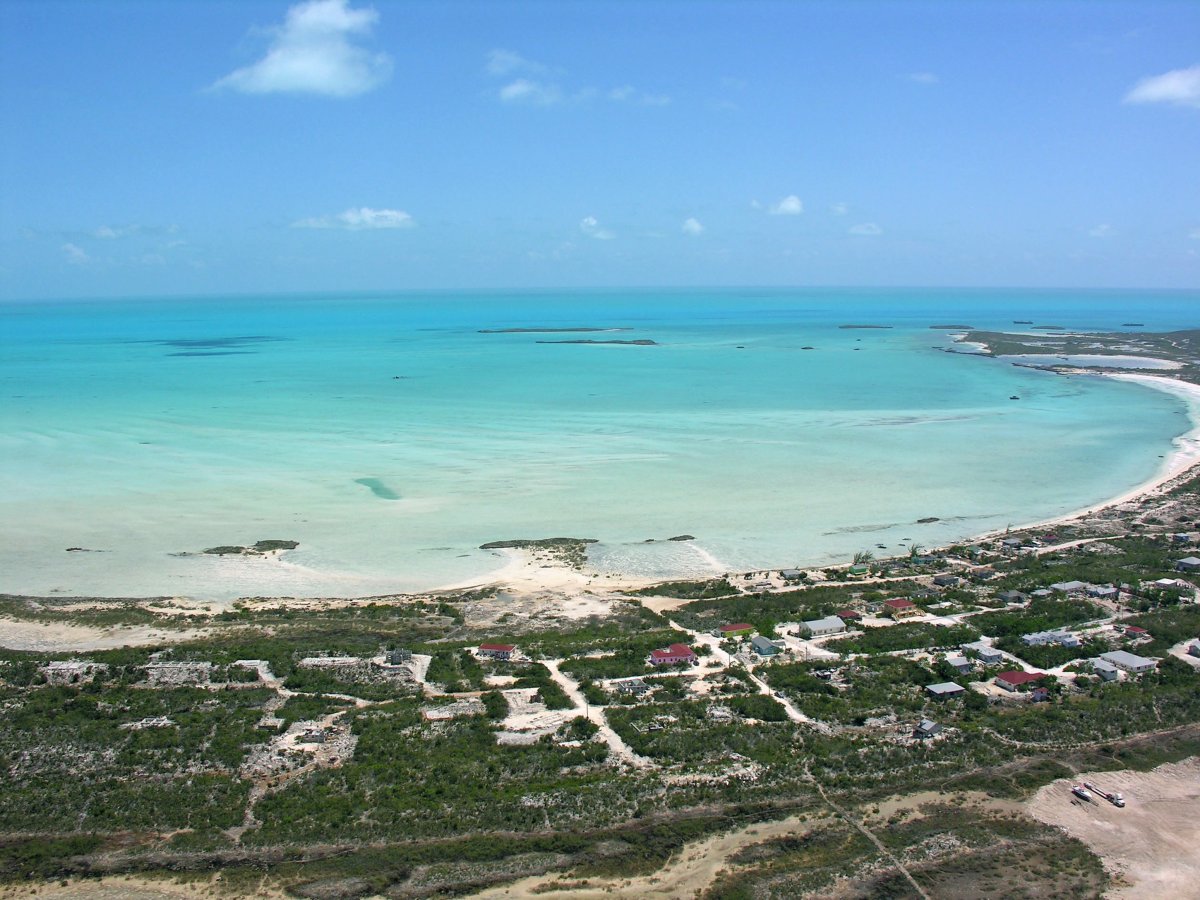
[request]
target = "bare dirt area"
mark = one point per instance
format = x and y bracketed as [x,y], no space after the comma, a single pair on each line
[53,637]
[688,874]
[1151,848]
[132,888]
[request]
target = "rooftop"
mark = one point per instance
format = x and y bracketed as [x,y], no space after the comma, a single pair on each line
[1016,678]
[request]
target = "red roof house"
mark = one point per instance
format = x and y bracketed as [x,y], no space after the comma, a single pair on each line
[736,629]
[1012,681]
[496,651]
[900,608]
[1135,631]
[848,615]
[676,653]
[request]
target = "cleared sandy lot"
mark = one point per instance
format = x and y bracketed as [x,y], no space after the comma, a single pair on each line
[1152,846]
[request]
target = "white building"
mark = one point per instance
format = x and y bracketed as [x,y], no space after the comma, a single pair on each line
[821,627]
[1129,662]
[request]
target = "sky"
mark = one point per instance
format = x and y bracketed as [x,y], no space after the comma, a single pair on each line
[178,147]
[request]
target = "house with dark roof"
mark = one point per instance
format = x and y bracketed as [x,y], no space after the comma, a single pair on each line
[763,646]
[849,616]
[1188,564]
[1015,681]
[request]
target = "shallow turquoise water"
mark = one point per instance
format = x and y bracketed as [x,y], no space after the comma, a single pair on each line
[391,438]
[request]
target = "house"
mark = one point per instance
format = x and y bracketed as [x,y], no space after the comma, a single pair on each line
[496,651]
[635,686]
[902,609]
[1182,538]
[1012,597]
[945,690]
[1129,662]
[1194,649]
[926,728]
[738,629]
[989,656]
[1106,670]
[1011,543]
[1102,591]
[396,657]
[945,580]
[1039,695]
[1014,681]
[859,569]
[1188,564]
[820,627]
[312,736]
[960,664]
[1041,593]
[1136,631]
[762,646]
[1070,587]
[1041,638]
[791,574]
[849,616]
[676,653]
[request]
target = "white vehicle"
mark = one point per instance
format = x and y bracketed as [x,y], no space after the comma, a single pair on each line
[1115,799]
[1082,793]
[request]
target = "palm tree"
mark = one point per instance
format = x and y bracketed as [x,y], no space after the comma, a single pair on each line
[914,551]
[863,557]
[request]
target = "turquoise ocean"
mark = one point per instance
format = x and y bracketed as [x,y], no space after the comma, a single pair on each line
[391,437]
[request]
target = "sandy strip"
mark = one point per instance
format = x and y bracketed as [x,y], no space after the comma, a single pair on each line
[61,637]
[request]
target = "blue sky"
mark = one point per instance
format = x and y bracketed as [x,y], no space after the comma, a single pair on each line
[224,147]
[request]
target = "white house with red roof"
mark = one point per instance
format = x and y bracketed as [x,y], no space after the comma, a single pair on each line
[496,651]
[1014,681]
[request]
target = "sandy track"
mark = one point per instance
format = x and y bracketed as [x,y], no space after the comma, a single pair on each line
[1152,846]
[54,637]
[687,874]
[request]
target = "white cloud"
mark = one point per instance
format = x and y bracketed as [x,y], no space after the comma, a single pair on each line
[788,206]
[75,254]
[312,53]
[591,227]
[839,209]
[524,90]
[361,219]
[1180,87]
[692,226]
[505,62]
[922,77]
[1194,234]
[655,100]
[868,229]
[1101,231]
[621,93]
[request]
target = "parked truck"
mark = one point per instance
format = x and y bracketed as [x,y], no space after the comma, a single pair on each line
[1115,799]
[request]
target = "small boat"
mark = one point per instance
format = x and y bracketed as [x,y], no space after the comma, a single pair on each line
[1022,321]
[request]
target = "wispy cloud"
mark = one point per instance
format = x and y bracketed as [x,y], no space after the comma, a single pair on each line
[1194,234]
[692,226]
[361,219]
[116,232]
[788,206]
[591,227]
[1101,231]
[1179,87]
[839,209]
[313,52]
[505,62]
[534,83]
[75,254]
[922,77]
[525,90]
[866,229]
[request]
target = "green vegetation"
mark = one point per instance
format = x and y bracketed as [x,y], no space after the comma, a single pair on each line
[905,636]
[689,590]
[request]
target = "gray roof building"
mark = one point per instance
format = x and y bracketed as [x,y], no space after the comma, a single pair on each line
[828,625]
[762,646]
[945,690]
[1130,662]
